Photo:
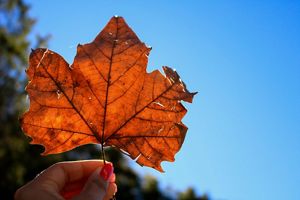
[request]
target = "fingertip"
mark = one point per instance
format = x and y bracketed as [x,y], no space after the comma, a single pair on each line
[112,178]
[115,187]
[106,171]
[111,191]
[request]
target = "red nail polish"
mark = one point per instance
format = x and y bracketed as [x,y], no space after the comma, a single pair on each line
[106,171]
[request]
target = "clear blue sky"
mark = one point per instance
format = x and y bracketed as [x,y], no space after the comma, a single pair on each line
[243,141]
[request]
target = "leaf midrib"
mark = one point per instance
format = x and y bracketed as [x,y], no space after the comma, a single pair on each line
[108,82]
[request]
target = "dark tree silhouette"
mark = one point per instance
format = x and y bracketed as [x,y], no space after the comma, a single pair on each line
[19,160]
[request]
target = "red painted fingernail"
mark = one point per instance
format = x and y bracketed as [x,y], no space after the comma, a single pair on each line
[106,171]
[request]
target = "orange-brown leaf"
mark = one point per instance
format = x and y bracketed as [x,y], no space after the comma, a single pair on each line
[107,97]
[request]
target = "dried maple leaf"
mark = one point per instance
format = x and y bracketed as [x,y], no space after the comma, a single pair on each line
[107,97]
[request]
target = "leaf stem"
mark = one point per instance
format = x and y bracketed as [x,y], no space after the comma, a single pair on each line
[103,154]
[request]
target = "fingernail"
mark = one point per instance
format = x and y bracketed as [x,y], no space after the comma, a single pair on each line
[106,171]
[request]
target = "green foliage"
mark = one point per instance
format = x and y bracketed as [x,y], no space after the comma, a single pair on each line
[151,189]
[20,161]
[190,194]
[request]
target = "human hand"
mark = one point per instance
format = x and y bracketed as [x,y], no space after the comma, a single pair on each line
[76,180]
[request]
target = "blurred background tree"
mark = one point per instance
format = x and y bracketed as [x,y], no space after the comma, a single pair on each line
[20,161]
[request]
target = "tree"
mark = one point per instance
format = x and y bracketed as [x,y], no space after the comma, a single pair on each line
[151,189]
[15,152]
[190,194]
[21,161]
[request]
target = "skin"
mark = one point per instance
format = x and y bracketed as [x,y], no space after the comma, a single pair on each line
[76,180]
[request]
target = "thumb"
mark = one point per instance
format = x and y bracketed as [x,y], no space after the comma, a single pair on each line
[96,186]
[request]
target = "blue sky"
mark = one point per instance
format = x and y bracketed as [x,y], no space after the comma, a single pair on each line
[243,58]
